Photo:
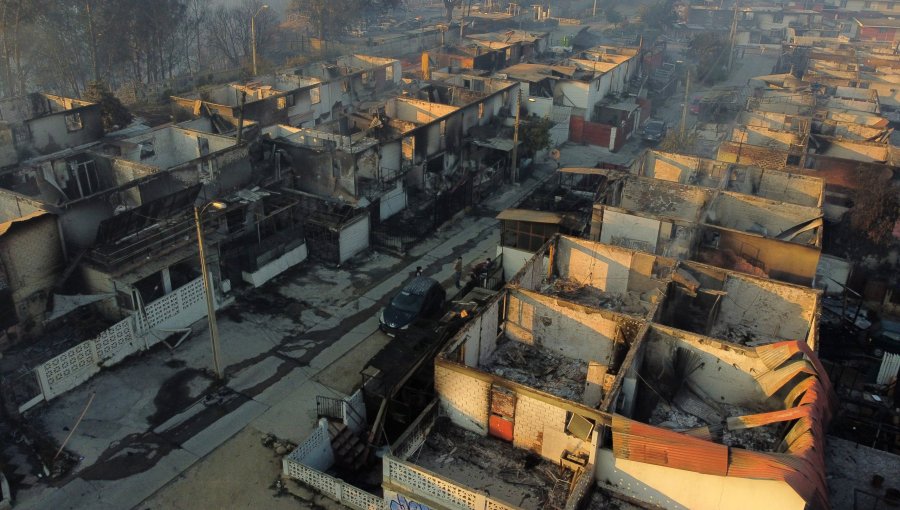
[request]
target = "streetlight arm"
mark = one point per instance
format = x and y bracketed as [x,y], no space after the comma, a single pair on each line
[253,35]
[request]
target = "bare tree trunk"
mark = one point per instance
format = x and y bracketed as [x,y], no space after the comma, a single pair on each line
[7,64]
[93,43]
[17,54]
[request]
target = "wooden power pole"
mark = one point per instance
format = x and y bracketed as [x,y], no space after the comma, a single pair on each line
[515,148]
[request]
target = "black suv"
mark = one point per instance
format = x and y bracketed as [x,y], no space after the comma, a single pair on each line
[654,131]
[422,298]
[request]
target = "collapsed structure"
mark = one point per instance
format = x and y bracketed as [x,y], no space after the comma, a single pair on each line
[600,368]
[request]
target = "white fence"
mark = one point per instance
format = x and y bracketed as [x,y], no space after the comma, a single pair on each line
[414,480]
[138,332]
[315,454]
[890,365]
[308,461]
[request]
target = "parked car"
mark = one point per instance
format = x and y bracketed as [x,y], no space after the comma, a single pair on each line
[654,131]
[422,298]
[694,105]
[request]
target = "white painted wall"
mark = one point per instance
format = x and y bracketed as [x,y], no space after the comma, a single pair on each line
[513,260]
[571,332]
[354,238]
[605,268]
[681,489]
[393,201]
[276,267]
[617,225]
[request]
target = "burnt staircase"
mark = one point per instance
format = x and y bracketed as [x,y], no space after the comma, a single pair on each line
[351,452]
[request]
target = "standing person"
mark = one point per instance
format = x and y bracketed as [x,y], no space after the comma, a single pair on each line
[418,270]
[488,267]
[457,271]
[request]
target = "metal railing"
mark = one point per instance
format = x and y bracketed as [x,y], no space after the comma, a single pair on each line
[142,244]
[329,407]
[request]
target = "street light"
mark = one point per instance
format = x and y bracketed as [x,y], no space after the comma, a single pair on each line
[207,285]
[253,34]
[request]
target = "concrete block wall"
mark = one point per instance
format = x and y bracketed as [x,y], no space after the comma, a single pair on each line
[463,398]
[533,418]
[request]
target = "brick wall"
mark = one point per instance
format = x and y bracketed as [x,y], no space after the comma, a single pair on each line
[532,418]
[463,398]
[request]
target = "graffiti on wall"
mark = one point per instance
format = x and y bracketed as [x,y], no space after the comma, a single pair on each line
[401,503]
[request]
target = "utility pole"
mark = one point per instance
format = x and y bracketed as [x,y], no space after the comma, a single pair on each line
[684,109]
[207,286]
[731,37]
[594,11]
[515,149]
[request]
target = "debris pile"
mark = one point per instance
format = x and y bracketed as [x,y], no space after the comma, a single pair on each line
[279,446]
[668,416]
[513,475]
[740,334]
[539,368]
[763,439]
[629,302]
[713,426]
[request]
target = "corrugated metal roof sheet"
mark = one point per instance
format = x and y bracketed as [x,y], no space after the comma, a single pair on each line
[530,215]
[799,461]
[645,443]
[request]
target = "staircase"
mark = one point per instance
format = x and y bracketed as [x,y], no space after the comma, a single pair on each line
[350,451]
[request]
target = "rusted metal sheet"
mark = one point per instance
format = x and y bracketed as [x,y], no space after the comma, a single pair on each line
[645,443]
[758,420]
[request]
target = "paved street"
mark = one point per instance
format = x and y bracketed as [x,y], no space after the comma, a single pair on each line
[307,333]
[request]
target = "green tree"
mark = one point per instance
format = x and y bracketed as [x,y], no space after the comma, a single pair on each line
[115,114]
[709,51]
[536,135]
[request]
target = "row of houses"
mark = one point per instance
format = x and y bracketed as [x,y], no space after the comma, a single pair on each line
[323,160]
[304,162]
[769,23]
[657,342]
[763,222]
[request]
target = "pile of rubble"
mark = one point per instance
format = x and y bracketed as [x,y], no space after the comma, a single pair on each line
[538,368]
[712,426]
[535,482]
[629,302]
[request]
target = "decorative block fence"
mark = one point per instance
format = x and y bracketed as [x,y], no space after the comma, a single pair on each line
[140,331]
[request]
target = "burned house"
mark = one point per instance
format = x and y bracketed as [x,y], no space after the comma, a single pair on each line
[583,82]
[471,57]
[743,417]
[594,84]
[515,45]
[329,164]
[37,124]
[304,96]
[759,221]
[32,258]
[560,205]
